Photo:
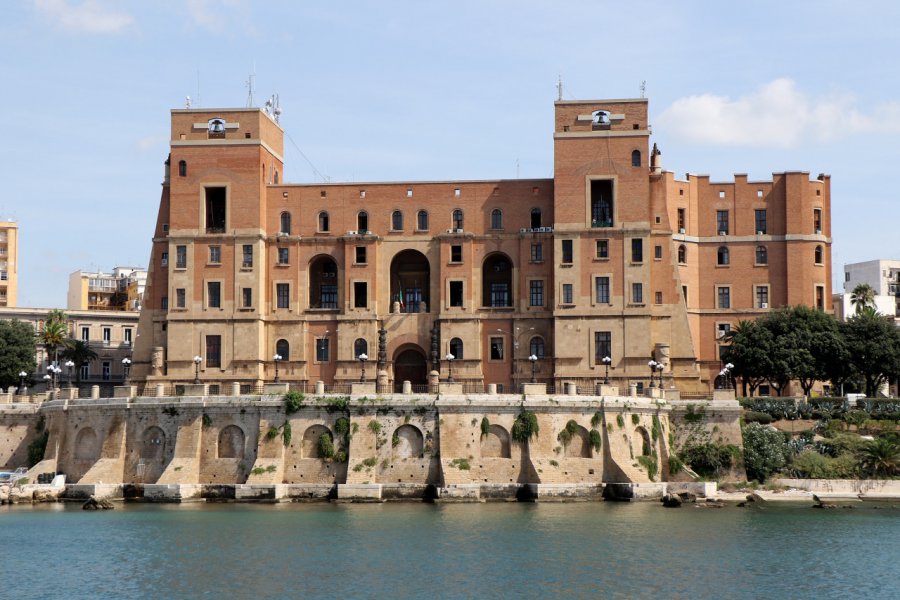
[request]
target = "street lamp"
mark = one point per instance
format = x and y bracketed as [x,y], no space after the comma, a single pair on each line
[277,359]
[197,361]
[22,389]
[606,362]
[54,375]
[126,367]
[48,379]
[69,364]
[533,358]
[729,367]
[449,358]
[362,363]
[659,370]
[652,364]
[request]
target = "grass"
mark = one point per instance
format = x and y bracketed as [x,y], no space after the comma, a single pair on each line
[461,463]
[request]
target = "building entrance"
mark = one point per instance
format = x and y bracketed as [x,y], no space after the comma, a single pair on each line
[410,365]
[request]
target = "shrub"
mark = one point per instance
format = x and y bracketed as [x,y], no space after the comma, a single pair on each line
[880,457]
[258,470]
[171,411]
[293,400]
[694,415]
[485,426]
[326,446]
[620,420]
[675,465]
[340,404]
[656,431]
[810,464]
[271,469]
[207,420]
[461,463]
[272,432]
[370,462]
[596,419]
[596,440]
[565,436]
[395,440]
[342,426]
[286,434]
[525,427]
[711,459]
[554,463]
[37,448]
[752,416]
[340,456]
[375,427]
[765,451]
[649,463]
[635,419]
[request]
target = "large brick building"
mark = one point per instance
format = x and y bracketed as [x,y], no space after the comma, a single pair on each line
[611,257]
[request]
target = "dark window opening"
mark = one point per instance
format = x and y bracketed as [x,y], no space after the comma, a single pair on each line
[182,168]
[601,203]
[602,346]
[360,255]
[180,257]
[496,348]
[323,288]
[284,256]
[536,292]
[323,221]
[360,346]
[722,257]
[282,296]
[458,219]
[285,223]
[283,349]
[818,255]
[680,220]
[248,256]
[496,219]
[422,220]
[567,251]
[535,218]
[215,210]
[456,254]
[722,222]
[537,252]
[362,222]
[762,255]
[637,250]
[602,290]
[536,347]
[322,350]
[214,294]
[657,252]
[214,351]
[682,254]
[247,297]
[636,158]
[602,248]
[360,294]
[456,348]
[496,282]
[761,221]
[397,220]
[456,293]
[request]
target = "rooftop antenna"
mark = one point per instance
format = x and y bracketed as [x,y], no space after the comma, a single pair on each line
[249,84]
[272,107]
[187,101]
[644,89]
[559,88]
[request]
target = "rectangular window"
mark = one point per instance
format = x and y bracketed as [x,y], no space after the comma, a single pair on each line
[215,255]
[760,220]
[567,251]
[107,370]
[322,350]
[328,294]
[602,203]
[85,371]
[536,292]
[214,294]
[657,252]
[722,222]
[601,288]
[567,293]
[602,346]
[107,335]
[658,299]
[602,248]
[85,334]
[537,252]
[456,293]
[499,294]
[181,257]
[215,210]
[360,294]
[179,298]
[722,329]
[762,296]
[637,293]
[165,259]
[637,250]
[817,220]
[496,348]
[164,303]
[247,297]
[360,255]
[456,253]
[248,256]
[820,297]
[724,297]
[282,295]
[126,332]
[684,293]
[681,228]
[214,351]
[284,256]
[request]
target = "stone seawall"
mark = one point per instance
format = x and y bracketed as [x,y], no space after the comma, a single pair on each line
[347,447]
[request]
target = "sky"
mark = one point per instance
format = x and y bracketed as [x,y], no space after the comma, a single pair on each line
[408,91]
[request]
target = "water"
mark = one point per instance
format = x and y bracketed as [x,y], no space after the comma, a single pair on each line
[579,550]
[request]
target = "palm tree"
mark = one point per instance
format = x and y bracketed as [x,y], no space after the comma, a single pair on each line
[881,456]
[79,352]
[863,295]
[54,336]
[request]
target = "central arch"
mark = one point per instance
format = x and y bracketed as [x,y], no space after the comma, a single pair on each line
[410,365]
[411,281]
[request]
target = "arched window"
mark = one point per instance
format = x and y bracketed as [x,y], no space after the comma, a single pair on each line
[818,255]
[276,177]
[323,221]
[762,255]
[397,221]
[536,347]
[182,168]
[323,283]
[360,346]
[456,348]
[422,220]
[496,219]
[457,219]
[496,281]
[682,254]
[362,221]
[722,256]
[536,218]
[636,158]
[285,223]
[283,349]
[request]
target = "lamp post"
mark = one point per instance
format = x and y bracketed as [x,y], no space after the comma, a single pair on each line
[362,366]
[22,389]
[449,358]
[277,359]
[652,365]
[533,358]
[69,364]
[126,368]
[728,369]
[659,370]
[49,381]
[606,362]
[197,361]
[54,375]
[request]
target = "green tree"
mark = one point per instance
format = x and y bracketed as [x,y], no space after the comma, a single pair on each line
[765,451]
[873,349]
[749,349]
[881,457]
[54,336]
[17,351]
[79,352]
[863,295]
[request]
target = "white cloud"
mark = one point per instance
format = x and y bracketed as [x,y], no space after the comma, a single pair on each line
[88,16]
[778,114]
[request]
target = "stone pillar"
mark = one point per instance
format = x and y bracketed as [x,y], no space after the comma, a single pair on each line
[571,388]
[320,387]
[492,389]
[395,307]
[382,377]
[433,378]
[95,392]
[235,388]
[407,387]
[632,390]
[160,390]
